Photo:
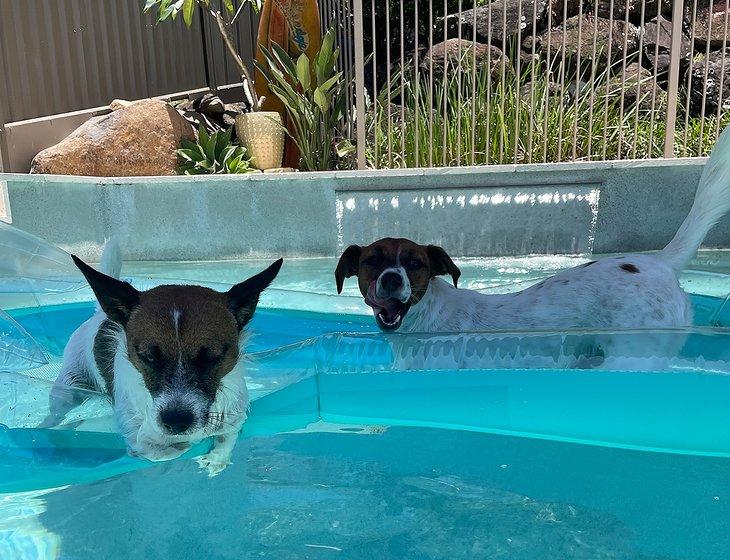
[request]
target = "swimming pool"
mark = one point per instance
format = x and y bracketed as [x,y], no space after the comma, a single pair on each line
[349,457]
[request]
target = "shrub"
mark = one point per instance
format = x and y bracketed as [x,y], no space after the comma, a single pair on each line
[313,93]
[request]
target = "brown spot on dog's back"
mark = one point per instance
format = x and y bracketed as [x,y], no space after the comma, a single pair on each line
[628,267]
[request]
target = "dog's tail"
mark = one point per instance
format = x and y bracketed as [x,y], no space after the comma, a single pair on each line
[712,201]
[111,259]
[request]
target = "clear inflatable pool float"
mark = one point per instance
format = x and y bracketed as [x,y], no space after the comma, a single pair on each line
[316,358]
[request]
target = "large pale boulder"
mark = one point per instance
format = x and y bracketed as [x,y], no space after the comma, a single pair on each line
[133,140]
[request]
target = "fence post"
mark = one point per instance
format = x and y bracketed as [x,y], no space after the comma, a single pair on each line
[359,83]
[672,93]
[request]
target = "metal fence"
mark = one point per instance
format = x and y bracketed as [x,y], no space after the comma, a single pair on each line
[433,82]
[444,83]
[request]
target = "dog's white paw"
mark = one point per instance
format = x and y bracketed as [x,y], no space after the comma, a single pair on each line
[214,462]
[156,452]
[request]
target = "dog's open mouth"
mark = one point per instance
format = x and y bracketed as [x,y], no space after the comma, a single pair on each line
[389,312]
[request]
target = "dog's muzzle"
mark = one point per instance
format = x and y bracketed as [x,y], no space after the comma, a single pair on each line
[389,297]
[176,420]
[181,409]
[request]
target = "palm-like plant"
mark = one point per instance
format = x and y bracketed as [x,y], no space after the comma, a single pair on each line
[313,93]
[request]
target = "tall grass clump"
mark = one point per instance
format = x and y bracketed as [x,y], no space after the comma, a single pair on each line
[483,116]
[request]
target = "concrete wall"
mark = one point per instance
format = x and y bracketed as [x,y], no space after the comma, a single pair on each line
[543,208]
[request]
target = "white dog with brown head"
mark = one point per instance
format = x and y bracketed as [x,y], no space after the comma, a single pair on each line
[401,281]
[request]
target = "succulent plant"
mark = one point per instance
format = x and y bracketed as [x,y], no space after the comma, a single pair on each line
[212,154]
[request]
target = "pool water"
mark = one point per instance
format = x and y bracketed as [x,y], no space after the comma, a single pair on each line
[349,457]
[708,273]
[395,492]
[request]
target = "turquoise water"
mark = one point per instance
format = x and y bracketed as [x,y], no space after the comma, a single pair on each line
[708,273]
[392,493]
[345,456]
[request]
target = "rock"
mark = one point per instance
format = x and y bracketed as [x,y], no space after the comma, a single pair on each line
[588,27]
[658,32]
[716,94]
[618,10]
[492,20]
[638,85]
[119,104]
[209,104]
[449,51]
[281,170]
[564,9]
[527,94]
[139,139]
[708,25]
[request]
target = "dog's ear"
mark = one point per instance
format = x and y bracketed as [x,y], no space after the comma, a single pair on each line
[243,297]
[116,298]
[349,265]
[441,263]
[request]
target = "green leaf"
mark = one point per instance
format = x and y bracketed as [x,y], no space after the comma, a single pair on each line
[203,137]
[229,6]
[223,139]
[149,5]
[283,58]
[328,41]
[338,106]
[188,11]
[329,83]
[188,155]
[188,144]
[321,99]
[344,148]
[303,74]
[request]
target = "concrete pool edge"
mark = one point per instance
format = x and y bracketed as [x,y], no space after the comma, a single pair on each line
[596,207]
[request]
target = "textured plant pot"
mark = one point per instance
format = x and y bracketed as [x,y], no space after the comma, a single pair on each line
[262,133]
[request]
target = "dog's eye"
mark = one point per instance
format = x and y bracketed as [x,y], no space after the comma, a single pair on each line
[152,356]
[206,358]
[372,261]
[414,264]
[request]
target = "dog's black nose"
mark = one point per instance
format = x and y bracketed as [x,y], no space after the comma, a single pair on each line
[176,420]
[391,281]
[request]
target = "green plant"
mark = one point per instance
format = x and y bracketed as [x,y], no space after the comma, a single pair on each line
[224,13]
[212,154]
[477,118]
[314,96]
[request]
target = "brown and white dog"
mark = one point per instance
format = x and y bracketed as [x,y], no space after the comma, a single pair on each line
[400,280]
[170,359]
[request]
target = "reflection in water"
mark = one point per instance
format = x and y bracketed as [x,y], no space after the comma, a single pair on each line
[404,493]
[22,535]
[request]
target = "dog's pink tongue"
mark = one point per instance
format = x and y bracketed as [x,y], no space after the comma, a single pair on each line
[390,305]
